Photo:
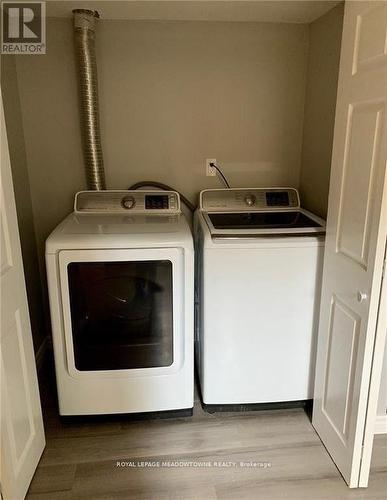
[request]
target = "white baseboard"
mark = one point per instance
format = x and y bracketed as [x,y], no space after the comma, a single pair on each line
[381,424]
[41,353]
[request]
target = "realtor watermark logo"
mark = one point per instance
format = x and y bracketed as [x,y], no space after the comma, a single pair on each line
[23,27]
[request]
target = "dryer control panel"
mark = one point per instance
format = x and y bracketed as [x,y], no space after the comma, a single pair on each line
[250,200]
[155,202]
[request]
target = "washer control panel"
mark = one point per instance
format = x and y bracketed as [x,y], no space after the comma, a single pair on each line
[155,202]
[249,200]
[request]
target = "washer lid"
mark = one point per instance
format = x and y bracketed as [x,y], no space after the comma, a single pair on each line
[243,212]
[262,220]
[250,224]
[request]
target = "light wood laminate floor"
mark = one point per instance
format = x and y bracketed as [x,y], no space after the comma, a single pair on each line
[80,460]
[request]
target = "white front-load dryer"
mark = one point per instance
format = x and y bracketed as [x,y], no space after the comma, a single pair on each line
[120,278]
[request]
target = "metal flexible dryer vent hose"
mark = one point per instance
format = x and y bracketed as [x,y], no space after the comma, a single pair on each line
[84,33]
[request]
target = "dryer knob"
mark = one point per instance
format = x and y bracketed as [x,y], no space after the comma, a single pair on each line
[250,200]
[128,202]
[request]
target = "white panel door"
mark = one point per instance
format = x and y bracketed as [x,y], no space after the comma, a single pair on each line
[21,424]
[356,229]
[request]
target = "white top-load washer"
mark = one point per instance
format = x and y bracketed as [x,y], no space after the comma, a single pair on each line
[120,278]
[258,276]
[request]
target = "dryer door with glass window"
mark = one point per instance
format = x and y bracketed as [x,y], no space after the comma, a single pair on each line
[122,309]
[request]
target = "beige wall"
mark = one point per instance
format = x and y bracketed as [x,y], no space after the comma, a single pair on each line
[320,104]
[15,133]
[172,94]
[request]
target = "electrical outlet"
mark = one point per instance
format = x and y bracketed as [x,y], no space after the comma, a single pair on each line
[210,171]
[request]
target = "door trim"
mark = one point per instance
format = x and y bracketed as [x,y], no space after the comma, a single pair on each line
[372,422]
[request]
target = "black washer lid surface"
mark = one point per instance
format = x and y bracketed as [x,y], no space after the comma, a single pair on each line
[262,220]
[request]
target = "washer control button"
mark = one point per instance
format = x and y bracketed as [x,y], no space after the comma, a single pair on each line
[128,202]
[250,200]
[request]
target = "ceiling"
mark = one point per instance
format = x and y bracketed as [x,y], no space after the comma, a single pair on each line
[284,11]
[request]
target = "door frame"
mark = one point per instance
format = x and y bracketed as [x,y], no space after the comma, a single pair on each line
[377,361]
